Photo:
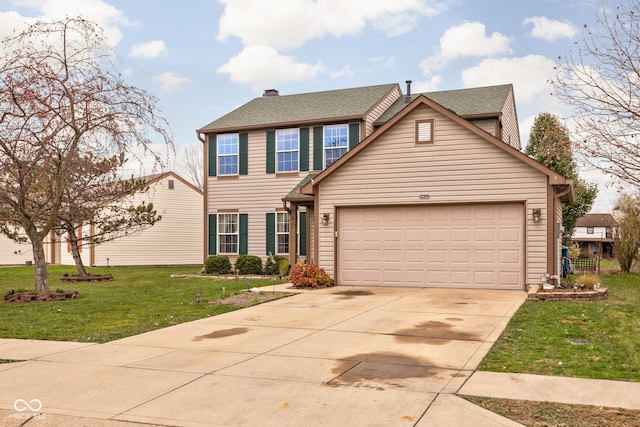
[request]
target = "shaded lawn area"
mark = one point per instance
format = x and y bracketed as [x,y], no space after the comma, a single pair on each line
[136,301]
[538,337]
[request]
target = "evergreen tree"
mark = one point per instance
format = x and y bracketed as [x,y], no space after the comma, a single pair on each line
[549,144]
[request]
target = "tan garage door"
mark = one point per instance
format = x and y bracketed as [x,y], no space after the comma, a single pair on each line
[458,246]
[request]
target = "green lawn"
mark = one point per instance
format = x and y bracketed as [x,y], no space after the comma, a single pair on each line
[137,300]
[537,339]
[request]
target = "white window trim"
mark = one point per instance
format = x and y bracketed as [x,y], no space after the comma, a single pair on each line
[220,233]
[297,150]
[236,155]
[325,148]
[282,233]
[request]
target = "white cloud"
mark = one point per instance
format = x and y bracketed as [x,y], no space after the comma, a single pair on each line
[430,85]
[550,30]
[263,67]
[152,49]
[170,82]
[529,74]
[108,17]
[344,71]
[466,40]
[383,61]
[294,22]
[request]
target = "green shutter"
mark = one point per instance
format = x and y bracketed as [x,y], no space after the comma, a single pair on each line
[304,149]
[317,148]
[213,226]
[271,151]
[271,233]
[244,231]
[212,147]
[243,147]
[302,248]
[354,134]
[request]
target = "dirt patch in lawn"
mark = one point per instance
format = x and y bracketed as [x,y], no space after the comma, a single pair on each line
[248,298]
[540,414]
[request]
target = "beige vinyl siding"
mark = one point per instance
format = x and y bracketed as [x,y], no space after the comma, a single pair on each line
[254,194]
[379,109]
[487,125]
[459,167]
[510,133]
[12,253]
[177,239]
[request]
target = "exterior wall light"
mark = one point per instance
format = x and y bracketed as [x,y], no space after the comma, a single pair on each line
[537,215]
[325,219]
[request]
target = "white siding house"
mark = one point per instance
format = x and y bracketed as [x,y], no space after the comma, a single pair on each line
[177,239]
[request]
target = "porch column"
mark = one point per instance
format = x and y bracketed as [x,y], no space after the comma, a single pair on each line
[311,257]
[293,234]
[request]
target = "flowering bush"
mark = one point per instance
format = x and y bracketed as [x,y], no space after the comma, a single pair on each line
[309,275]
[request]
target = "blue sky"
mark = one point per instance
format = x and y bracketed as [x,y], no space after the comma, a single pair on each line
[203,58]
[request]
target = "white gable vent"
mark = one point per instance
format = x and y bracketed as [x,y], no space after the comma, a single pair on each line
[424,131]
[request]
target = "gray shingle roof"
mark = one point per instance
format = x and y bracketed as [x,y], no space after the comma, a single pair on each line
[301,108]
[463,102]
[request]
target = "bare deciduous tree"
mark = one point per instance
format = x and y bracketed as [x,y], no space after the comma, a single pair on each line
[189,164]
[61,100]
[627,233]
[601,82]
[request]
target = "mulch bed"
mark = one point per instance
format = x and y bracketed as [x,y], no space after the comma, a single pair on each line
[87,278]
[39,296]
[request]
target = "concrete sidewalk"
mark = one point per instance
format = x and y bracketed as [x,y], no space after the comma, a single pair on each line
[336,356]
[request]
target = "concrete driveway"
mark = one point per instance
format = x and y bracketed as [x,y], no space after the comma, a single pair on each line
[335,356]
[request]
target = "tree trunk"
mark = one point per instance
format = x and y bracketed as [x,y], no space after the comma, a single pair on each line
[75,251]
[39,260]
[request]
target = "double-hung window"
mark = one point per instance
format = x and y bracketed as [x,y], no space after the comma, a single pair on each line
[287,149]
[590,230]
[228,154]
[228,233]
[336,143]
[282,232]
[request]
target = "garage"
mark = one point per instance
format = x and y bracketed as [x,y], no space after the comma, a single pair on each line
[456,246]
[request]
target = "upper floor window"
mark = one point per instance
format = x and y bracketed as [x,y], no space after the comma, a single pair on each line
[287,149]
[589,230]
[336,143]
[228,154]
[228,233]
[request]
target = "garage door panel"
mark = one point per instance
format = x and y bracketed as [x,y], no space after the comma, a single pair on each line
[442,246]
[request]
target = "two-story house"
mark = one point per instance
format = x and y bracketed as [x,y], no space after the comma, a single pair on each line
[594,235]
[384,188]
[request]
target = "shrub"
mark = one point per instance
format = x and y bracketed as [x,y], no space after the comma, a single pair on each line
[248,264]
[272,266]
[309,275]
[218,264]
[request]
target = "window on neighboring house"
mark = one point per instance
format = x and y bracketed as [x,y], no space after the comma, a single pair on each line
[282,232]
[589,230]
[228,233]
[228,154]
[171,184]
[336,143]
[424,131]
[287,149]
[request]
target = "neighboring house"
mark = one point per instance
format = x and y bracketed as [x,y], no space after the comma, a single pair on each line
[381,188]
[12,253]
[594,235]
[177,239]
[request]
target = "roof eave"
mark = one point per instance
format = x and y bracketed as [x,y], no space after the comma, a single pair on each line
[297,123]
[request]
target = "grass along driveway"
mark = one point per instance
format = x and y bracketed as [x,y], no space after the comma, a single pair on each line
[585,339]
[136,301]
